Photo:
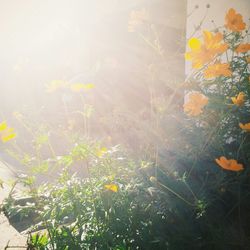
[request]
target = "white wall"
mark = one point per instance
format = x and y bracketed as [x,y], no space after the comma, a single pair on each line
[216,12]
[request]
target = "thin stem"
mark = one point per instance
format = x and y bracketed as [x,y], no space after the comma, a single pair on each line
[176,194]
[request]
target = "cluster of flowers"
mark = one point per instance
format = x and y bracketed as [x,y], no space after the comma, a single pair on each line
[6,133]
[206,57]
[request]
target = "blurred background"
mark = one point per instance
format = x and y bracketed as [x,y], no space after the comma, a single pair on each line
[131,51]
[84,41]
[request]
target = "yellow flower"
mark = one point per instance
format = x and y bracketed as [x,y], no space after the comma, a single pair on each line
[6,133]
[112,187]
[248,59]
[55,85]
[101,151]
[239,99]
[242,48]
[234,21]
[3,126]
[137,17]
[245,126]
[201,54]
[77,87]
[217,69]
[195,103]
[230,164]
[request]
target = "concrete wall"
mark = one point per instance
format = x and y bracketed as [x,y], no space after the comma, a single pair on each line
[212,14]
[215,12]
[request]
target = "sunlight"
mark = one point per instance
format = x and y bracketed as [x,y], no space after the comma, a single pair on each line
[124,125]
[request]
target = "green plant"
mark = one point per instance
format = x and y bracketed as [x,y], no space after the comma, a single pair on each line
[184,183]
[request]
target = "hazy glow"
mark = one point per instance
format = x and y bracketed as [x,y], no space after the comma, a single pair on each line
[89,42]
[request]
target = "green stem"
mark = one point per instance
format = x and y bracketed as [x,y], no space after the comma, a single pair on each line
[176,194]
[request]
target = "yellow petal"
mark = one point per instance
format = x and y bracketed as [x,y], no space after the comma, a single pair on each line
[112,187]
[8,137]
[234,100]
[76,87]
[188,56]
[194,43]
[89,86]
[3,126]
[100,152]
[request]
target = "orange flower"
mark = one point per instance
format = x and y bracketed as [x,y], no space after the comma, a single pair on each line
[234,21]
[239,99]
[230,164]
[242,48]
[245,126]
[201,54]
[217,69]
[195,103]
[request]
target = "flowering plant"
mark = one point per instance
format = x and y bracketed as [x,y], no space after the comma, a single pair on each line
[186,184]
[219,88]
